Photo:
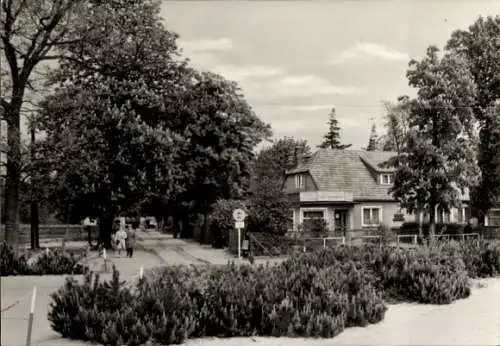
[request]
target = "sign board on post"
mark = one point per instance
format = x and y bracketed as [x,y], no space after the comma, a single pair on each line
[239,216]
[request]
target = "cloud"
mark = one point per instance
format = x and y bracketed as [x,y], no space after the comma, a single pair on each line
[294,86]
[204,45]
[364,51]
[239,73]
[203,60]
[283,109]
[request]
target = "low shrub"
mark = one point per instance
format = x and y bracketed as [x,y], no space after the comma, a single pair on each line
[265,244]
[55,262]
[179,303]
[434,278]
[315,294]
[10,262]
[481,257]
[423,278]
[441,228]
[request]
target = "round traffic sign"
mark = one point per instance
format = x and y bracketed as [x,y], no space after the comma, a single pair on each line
[239,215]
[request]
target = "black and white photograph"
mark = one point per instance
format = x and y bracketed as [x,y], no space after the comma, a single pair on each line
[249,172]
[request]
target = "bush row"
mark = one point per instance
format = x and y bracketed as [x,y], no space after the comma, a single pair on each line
[314,294]
[56,262]
[179,303]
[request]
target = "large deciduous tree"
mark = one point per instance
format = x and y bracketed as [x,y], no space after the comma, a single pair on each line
[480,46]
[222,131]
[439,162]
[29,31]
[332,138]
[99,153]
[76,32]
[269,206]
[110,90]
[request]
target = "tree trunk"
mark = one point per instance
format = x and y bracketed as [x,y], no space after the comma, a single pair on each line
[432,224]
[105,228]
[420,225]
[206,224]
[34,215]
[13,175]
[35,226]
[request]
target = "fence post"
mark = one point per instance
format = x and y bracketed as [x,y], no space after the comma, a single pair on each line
[343,240]
[104,255]
[324,243]
[31,316]
[414,239]
[463,237]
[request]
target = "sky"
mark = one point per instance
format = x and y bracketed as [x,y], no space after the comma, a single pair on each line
[295,60]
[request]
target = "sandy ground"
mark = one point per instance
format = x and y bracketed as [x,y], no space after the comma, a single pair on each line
[473,321]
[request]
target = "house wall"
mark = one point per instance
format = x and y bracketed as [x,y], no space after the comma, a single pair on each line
[329,212]
[388,209]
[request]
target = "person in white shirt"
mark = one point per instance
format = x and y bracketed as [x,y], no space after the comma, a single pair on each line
[121,236]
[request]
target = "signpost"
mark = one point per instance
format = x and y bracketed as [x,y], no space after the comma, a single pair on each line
[239,216]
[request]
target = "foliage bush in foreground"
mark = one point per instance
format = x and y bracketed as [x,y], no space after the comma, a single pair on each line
[481,257]
[55,262]
[180,302]
[314,294]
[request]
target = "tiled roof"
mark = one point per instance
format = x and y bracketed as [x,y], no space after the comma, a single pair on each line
[353,171]
[348,170]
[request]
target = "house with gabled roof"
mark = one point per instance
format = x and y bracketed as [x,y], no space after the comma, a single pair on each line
[349,190]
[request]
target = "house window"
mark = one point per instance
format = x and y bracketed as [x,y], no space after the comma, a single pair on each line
[316,214]
[310,217]
[299,181]
[386,179]
[494,217]
[442,216]
[371,216]
[461,215]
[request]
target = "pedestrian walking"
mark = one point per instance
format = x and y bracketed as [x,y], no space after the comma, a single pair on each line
[121,236]
[130,241]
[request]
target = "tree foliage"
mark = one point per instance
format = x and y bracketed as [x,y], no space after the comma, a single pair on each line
[439,162]
[136,128]
[269,206]
[397,125]
[373,141]
[480,47]
[221,131]
[332,138]
[82,33]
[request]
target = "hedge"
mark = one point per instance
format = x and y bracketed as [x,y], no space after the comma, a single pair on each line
[55,262]
[316,294]
[412,228]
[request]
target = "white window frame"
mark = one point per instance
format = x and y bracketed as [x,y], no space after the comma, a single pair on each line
[324,210]
[300,181]
[380,214]
[390,179]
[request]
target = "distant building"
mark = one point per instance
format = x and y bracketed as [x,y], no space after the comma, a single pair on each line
[349,190]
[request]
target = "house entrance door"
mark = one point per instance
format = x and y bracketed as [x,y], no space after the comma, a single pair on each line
[340,216]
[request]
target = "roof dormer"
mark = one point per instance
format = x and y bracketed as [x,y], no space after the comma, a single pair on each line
[386,178]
